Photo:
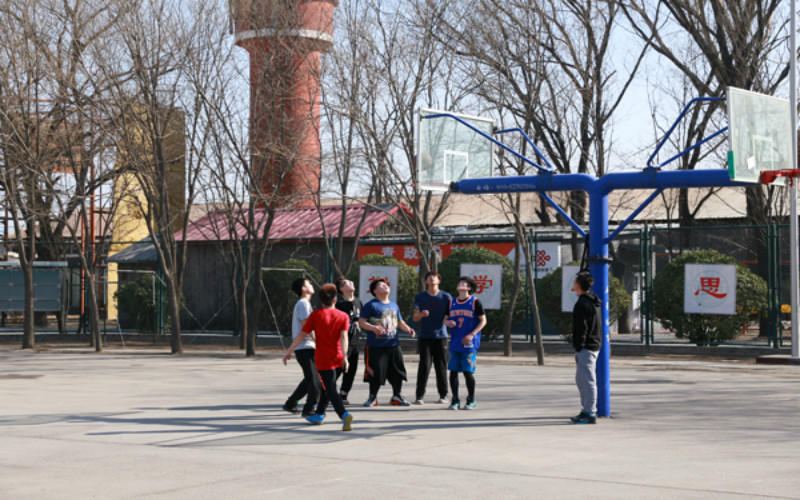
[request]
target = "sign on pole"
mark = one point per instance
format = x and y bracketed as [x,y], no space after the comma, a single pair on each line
[489,280]
[568,296]
[368,274]
[709,289]
[547,258]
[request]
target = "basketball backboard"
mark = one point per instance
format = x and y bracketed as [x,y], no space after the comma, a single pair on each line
[759,135]
[450,148]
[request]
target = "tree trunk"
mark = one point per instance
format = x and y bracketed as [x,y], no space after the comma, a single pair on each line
[174,304]
[537,324]
[28,319]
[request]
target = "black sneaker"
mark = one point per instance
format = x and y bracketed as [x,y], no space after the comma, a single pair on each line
[588,418]
[579,416]
[291,409]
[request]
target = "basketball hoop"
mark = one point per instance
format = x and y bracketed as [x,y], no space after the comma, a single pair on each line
[769,176]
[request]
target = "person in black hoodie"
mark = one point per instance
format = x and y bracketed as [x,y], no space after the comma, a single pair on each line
[587,337]
[348,303]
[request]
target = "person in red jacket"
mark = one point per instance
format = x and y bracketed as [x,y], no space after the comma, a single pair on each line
[330,328]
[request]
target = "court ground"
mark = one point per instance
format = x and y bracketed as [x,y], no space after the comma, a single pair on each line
[140,425]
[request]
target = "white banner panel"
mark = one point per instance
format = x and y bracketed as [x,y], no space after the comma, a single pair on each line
[368,274]
[568,296]
[489,279]
[709,289]
[547,258]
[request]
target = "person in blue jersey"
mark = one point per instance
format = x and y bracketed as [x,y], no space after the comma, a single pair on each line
[467,319]
[380,318]
[431,309]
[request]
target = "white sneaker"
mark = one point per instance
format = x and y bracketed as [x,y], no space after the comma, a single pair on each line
[419,402]
[443,401]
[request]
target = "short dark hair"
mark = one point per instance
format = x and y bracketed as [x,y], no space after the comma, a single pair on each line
[584,280]
[433,273]
[327,294]
[374,284]
[470,282]
[297,286]
[340,282]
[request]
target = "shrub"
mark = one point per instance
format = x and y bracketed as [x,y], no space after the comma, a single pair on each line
[138,300]
[450,269]
[278,305]
[707,329]
[548,293]
[406,274]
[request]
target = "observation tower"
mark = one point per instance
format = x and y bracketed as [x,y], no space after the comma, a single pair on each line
[285,40]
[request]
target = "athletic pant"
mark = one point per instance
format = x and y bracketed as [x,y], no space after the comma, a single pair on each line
[327,379]
[350,374]
[432,351]
[470,379]
[585,361]
[310,383]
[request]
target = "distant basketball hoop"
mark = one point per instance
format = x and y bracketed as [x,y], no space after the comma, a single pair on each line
[769,176]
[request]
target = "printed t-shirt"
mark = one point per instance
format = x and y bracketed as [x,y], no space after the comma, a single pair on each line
[385,314]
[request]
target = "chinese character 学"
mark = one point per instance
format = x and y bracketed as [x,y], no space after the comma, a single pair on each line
[482,282]
[710,286]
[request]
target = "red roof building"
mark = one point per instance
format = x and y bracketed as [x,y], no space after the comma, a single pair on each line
[292,224]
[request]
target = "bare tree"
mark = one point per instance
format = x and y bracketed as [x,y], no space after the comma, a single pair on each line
[714,45]
[400,68]
[49,145]
[152,114]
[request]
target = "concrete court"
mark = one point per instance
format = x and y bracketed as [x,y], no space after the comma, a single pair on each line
[137,424]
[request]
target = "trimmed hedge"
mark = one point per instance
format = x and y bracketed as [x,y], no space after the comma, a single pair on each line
[707,329]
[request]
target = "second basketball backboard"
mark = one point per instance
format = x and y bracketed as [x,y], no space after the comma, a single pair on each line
[452,147]
[759,134]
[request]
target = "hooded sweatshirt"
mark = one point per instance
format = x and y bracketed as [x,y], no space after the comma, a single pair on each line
[587,331]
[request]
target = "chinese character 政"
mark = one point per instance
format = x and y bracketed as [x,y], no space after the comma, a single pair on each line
[409,252]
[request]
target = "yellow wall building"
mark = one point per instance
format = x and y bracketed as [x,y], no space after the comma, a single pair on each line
[130,202]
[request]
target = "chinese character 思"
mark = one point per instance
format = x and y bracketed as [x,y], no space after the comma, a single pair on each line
[710,286]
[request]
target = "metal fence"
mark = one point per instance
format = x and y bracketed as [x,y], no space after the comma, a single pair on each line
[637,256]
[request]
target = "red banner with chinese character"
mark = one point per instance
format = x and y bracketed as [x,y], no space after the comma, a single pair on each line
[408,253]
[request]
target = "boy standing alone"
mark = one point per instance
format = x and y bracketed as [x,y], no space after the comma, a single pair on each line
[383,359]
[467,319]
[330,328]
[587,337]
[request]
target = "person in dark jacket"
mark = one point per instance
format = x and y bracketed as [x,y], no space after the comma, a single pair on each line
[348,303]
[587,337]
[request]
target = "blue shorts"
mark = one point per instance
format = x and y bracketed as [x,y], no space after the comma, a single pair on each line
[462,361]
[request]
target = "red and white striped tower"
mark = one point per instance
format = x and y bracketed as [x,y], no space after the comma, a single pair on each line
[285,40]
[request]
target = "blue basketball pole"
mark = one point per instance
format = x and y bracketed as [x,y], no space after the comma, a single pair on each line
[598,190]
